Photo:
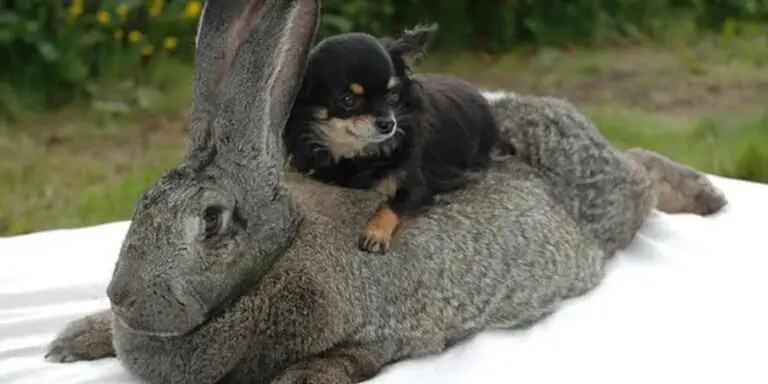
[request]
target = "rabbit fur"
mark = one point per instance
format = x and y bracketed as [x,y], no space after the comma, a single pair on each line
[276,295]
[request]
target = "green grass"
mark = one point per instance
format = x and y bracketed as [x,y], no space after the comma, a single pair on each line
[729,145]
[701,103]
[85,170]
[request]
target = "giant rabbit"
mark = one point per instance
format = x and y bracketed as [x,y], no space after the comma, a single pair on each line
[236,271]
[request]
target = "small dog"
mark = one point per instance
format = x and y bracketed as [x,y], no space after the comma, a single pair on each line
[361,120]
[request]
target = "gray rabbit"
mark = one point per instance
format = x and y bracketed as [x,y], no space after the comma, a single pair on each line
[234,271]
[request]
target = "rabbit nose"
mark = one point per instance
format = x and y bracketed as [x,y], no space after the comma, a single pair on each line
[385,126]
[119,295]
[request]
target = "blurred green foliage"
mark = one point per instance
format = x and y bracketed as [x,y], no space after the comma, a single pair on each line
[500,25]
[123,66]
[54,49]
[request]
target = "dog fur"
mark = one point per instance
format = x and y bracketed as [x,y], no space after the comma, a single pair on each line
[362,121]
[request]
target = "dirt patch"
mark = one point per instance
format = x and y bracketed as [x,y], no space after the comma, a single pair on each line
[663,94]
[676,78]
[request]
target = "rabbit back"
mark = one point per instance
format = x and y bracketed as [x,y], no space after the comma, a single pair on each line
[606,192]
[447,278]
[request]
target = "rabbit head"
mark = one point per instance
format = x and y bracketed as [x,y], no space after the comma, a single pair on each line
[212,226]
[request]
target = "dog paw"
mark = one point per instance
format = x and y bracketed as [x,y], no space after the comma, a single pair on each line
[378,234]
[375,242]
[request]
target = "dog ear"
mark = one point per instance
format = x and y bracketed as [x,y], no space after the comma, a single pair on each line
[412,45]
[306,86]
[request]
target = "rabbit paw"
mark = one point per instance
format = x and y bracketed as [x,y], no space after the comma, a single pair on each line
[679,188]
[310,376]
[379,231]
[88,338]
[709,200]
[690,194]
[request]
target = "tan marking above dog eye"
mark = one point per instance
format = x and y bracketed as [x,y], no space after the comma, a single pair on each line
[392,82]
[356,88]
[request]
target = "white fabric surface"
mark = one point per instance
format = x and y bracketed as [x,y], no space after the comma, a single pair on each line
[685,303]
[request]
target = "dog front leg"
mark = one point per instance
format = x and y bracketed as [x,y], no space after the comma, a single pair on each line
[411,197]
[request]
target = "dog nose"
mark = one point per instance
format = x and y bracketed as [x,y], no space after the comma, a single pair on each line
[385,126]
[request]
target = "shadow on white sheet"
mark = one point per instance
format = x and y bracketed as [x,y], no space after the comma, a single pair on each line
[685,303]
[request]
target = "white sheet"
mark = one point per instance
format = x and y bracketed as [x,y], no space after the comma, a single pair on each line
[685,303]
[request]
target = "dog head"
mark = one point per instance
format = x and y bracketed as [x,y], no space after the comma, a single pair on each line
[357,87]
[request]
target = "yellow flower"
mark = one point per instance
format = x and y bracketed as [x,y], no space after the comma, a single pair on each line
[147,49]
[76,8]
[119,34]
[170,43]
[192,8]
[122,10]
[103,17]
[157,8]
[134,36]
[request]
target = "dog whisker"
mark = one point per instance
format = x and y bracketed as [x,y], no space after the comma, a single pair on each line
[318,141]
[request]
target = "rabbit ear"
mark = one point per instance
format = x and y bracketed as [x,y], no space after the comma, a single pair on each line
[250,59]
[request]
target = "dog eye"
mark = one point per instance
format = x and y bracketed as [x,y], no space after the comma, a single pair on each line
[347,100]
[394,96]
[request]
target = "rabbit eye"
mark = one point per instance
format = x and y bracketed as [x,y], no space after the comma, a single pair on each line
[212,220]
